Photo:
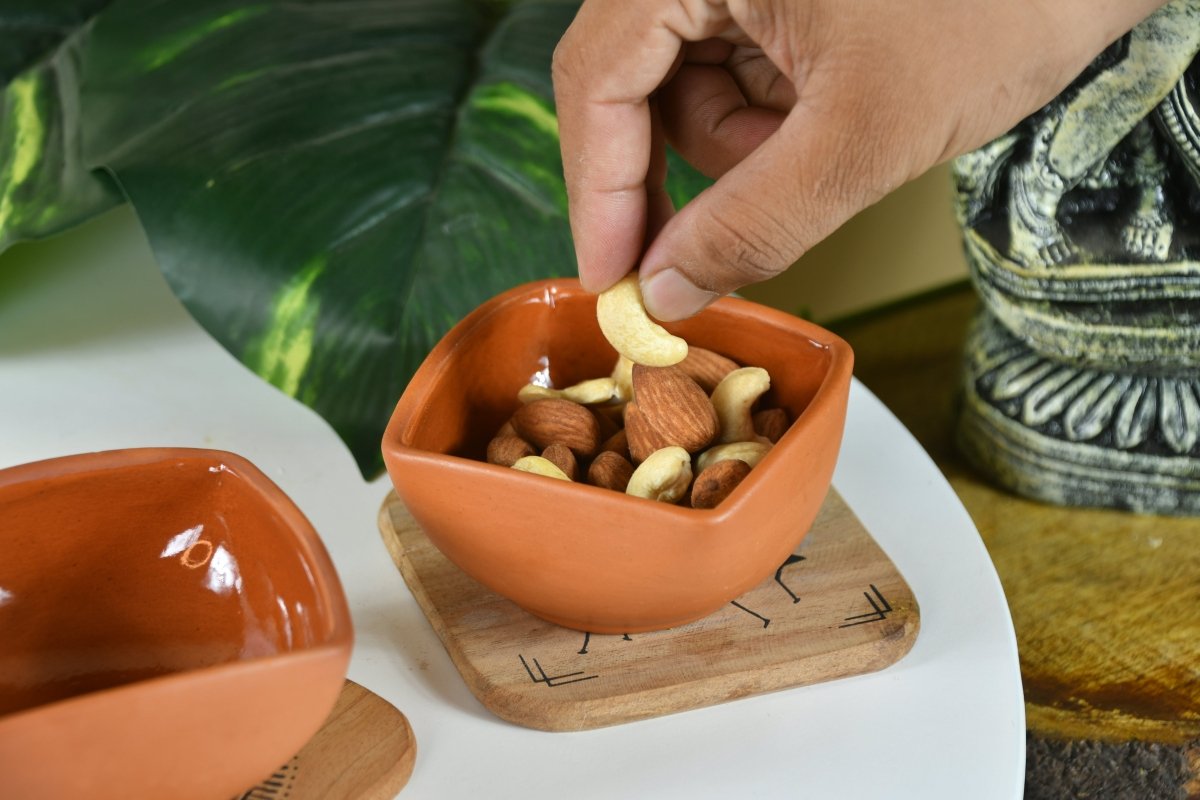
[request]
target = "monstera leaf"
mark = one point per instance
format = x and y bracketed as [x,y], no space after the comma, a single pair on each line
[330,185]
[44,186]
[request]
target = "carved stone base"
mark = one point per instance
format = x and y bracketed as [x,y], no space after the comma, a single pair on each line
[1078,435]
[1119,315]
[1081,232]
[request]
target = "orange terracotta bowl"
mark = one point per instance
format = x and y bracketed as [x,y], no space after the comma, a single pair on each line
[595,559]
[171,626]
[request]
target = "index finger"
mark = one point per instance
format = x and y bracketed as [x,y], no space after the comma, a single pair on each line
[608,63]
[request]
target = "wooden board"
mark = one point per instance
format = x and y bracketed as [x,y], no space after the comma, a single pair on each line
[1103,602]
[364,751]
[837,607]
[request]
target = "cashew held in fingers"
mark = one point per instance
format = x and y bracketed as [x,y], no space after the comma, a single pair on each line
[629,329]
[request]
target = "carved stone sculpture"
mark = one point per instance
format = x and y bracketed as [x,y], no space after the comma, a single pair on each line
[1082,233]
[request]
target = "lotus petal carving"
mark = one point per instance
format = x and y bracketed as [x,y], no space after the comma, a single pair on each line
[1133,412]
[1090,413]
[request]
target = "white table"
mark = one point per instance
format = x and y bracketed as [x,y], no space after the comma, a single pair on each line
[96,353]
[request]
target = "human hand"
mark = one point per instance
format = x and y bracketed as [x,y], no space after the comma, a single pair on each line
[806,112]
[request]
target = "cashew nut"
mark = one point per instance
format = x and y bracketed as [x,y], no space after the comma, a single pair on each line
[629,329]
[586,393]
[540,466]
[750,452]
[665,475]
[733,399]
[622,374]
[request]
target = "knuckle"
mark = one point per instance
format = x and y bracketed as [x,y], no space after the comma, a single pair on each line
[868,161]
[754,244]
[558,67]
[859,180]
[562,61]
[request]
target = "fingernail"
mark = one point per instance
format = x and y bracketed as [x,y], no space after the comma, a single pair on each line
[669,295]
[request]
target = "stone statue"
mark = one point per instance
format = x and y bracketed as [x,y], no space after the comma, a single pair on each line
[1082,233]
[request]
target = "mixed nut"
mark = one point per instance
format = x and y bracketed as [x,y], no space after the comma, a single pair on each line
[671,423]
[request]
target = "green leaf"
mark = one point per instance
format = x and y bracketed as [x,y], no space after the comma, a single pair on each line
[330,185]
[44,186]
[31,31]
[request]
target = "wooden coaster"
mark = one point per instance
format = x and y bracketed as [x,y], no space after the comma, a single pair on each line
[364,751]
[835,608]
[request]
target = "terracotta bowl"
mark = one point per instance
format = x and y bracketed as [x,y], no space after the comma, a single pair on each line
[171,626]
[589,558]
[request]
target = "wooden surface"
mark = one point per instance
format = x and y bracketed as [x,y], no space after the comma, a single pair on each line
[1105,603]
[364,751]
[838,607]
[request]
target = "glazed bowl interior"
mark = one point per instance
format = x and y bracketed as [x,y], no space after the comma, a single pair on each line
[549,335]
[122,568]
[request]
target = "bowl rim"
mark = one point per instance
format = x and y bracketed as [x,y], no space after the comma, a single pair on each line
[314,554]
[839,371]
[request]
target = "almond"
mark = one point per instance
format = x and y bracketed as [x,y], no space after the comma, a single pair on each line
[771,423]
[506,429]
[640,435]
[610,470]
[505,450]
[561,456]
[668,409]
[608,418]
[617,443]
[545,422]
[715,483]
[706,367]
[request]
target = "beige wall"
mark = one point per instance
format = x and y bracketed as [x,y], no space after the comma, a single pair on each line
[905,244]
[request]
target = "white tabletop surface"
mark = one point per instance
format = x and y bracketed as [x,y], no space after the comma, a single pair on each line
[97,354]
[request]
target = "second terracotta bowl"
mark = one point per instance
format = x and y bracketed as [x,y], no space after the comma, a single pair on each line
[170,626]
[590,558]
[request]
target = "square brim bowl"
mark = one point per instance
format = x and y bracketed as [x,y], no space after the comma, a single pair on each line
[172,626]
[591,558]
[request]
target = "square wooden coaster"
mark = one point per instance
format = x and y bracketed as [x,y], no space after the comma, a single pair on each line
[837,607]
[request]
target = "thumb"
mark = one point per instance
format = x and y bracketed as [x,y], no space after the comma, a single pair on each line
[811,175]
